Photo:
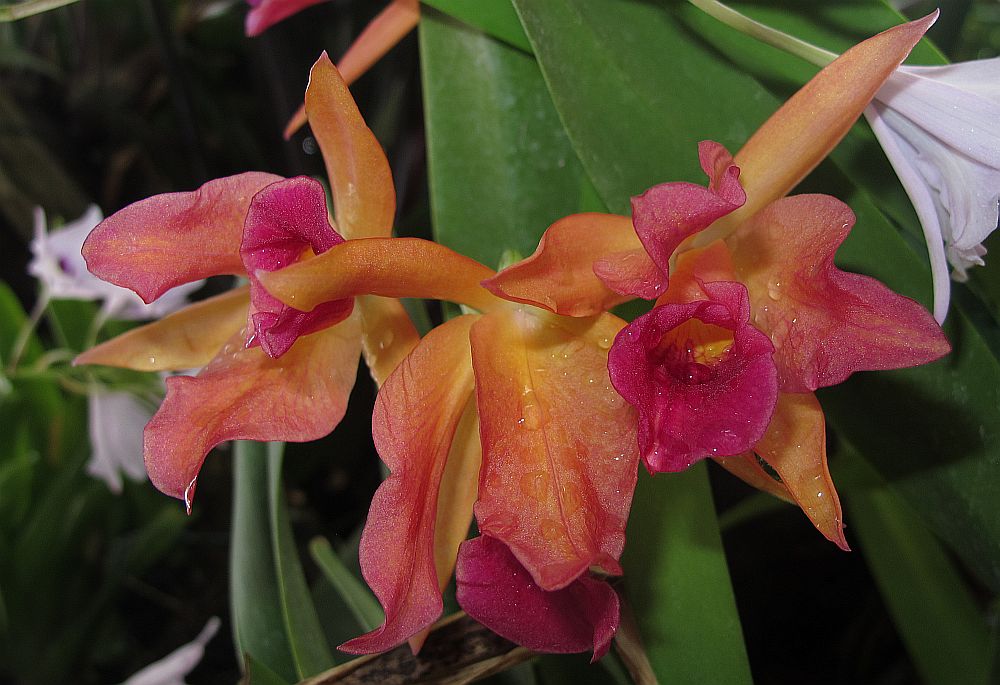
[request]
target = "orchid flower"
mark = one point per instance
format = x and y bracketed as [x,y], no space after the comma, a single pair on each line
[381,34]
[271,372]
[752,316]
[939,128]
[506,413]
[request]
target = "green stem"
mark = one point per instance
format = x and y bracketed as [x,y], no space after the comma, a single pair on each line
[773,37]
[24,335]
[30,8]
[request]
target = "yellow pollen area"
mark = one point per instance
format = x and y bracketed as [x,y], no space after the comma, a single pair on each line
[698,342]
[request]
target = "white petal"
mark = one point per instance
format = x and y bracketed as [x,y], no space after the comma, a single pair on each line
[171,669]
[116,421]
[903,158]
[966,118]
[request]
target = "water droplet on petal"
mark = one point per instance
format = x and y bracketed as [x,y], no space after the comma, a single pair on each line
[604,343]
[535,484]
[189,494]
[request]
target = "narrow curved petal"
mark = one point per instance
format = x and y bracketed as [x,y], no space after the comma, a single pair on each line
[814,120]
[166,240]
[388,28]
[285,220]
[903,160]
[746,467]
[363,195]
[186,339]
[390,267]
[560,276]
[245,395]
[701,377]
[795,447]
[559,445]
[387,334]
[496,590]
[266,13]
[668,214]
[825,323]
[416,416]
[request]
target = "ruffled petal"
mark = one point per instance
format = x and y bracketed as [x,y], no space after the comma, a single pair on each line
[363,195]
[496,590]
[825,323]
[285,220]
[795,447]
[559,446]
[814,120]
[166,240]
[187,339]
[266,13]
[390,267]
[416,416]
[701,377]
[383,32]
[668,214]
[560,276]
[246,395]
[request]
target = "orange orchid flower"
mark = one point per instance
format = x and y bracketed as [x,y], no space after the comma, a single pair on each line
[754,316]
[270,372]
[508,414]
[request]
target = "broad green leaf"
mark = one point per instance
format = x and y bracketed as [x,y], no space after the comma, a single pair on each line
[941,626]
[29,8]
[256,607]
[305,636]
[359,600]
[259,674]
[495,17]
[501,166]
[636,91]
[634,117]
[677,582]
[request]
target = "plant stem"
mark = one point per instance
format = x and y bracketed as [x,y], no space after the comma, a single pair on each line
[30,8]
[773,37]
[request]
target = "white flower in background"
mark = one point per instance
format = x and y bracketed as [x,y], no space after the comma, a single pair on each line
[940,128]
[171,669]
[116,420]
[59,265]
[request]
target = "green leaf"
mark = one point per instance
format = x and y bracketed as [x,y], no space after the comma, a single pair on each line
[256,607]
[677,583]
[634,115]
[305,636]
[498,184]
[495,17]
[359,600]
[938,619]
[259,674]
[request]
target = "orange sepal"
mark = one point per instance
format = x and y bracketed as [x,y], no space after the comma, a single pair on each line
[559,444]
[814,120]
[746,468]
[416,416]
[560,276]
[186,339]
[245,395]
[390,267]
[387,334]
[383,32]
[364,199]
[795,447]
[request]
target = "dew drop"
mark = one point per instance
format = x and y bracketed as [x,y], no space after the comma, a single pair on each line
[550,529]
[604,343]
[189,494]
[535,484]
[571,498]
[774,290]
[152,360]
[385,340]
[533,418]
